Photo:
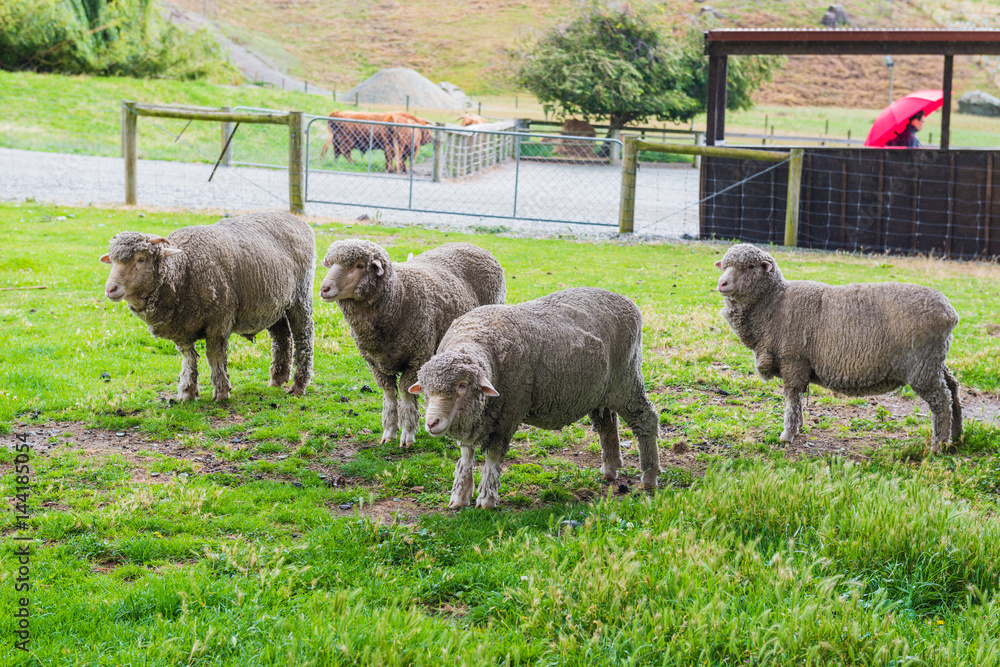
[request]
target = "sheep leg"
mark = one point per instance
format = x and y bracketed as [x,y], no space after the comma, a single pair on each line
[605,423]
[281,352]
[409,409]
[390,410]
[939,398]
[641,418]
[956,406]
[390,407]
[216,349]
[489,485]
[301,324]
[187,390]
[793,411]
[461,488]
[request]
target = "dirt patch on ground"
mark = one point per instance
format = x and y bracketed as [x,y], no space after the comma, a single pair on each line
[833,429]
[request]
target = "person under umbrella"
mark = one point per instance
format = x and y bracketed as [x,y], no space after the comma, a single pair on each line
[907,138]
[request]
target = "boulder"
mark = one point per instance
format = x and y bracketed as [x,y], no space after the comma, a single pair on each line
[978,103]
[456,92]
[394,85]
[835,16]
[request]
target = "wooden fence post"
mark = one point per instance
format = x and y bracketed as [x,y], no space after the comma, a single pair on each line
[130,149]
[794,191]
[626,211]
[227,146]
[296,163]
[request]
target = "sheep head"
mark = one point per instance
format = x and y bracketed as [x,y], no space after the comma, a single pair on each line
[356,269]
[748,273]
[135,260]
[455,385]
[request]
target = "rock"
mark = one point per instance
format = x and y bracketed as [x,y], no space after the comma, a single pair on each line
[154,474]
[835,16]
[456,92]
[978,103]
[346,506]
[397,85]
[711,11]
[570,523]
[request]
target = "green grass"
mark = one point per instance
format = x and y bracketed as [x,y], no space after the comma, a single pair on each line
[212,534]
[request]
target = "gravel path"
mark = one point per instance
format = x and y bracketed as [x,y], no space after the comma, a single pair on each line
[545,191]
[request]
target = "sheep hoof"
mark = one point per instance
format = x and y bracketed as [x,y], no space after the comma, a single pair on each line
[786,436]
[650,479]
[187,394]
[388,435]
[294,390]
[457,504]
[609,474]
[220,396]
[407,438]
[486,503]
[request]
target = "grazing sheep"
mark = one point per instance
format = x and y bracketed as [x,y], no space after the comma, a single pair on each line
[240,275]
[399,312]
[858,339]
[547,363]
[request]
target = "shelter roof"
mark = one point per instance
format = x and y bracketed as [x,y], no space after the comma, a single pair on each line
[841,41]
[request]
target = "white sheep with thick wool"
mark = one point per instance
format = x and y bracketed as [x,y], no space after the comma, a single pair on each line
[547,363]
[398,312]
[859,339]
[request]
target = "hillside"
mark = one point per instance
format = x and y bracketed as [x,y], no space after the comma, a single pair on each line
[339,43]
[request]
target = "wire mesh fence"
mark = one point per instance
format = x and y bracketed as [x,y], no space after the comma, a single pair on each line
[894,201]
[463,171]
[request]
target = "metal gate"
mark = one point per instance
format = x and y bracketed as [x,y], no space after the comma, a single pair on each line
[489,171]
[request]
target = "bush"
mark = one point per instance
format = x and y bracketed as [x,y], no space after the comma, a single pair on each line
[120,38]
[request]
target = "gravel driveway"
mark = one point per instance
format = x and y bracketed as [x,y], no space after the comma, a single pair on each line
[664,206]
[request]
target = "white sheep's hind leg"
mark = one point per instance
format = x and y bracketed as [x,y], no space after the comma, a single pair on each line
[461,488]
[605,423]
[389,410]
[300,323]
[489,485]
[641,418]
[793,412]
[409,409]
[216,348]
[187,390]
[938,396]
[281,352]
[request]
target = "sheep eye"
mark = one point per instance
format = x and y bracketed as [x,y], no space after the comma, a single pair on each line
[140,259]
[360,265]
[463,385]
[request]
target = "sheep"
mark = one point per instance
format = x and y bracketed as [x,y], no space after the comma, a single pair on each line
[859,339]
[547,363]
[240,275]
[398,313]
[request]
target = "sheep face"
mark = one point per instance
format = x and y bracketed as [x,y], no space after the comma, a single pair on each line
[748,273]
[456,390]
[135,264]
[355,267]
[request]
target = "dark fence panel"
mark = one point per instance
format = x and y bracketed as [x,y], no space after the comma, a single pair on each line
[897,201]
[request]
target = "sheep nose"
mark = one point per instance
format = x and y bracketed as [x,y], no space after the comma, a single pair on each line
[724,285]
[432,423]
[326,291]
[112,291]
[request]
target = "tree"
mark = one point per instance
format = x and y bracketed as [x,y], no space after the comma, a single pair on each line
[614,62]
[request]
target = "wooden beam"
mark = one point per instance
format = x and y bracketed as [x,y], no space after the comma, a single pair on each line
[130,150]
[220,116]
[630,163]
[946,103]
[716,102]
[713,151]
[793,198]
[296,162]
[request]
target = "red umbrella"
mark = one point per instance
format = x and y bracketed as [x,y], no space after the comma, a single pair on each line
[894,117]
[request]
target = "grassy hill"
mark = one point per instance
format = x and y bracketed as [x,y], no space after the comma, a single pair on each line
[340,43]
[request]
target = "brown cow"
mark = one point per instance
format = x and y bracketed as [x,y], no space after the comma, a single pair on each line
[472,119]
[407,141]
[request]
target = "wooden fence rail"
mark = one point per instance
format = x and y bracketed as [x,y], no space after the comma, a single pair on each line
[293,119]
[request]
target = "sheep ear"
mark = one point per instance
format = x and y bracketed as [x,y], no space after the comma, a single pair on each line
[415,388]
[167,252]
[106,259]
[379,270]
[327,263]
[718,264]
[484,384]
[158,239]
[767,266]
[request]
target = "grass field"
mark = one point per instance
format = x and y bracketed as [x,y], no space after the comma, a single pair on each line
[271,530]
